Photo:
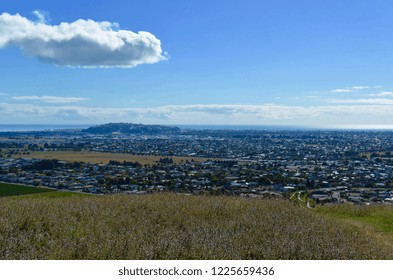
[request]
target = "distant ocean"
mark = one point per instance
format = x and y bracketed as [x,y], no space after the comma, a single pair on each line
[40,127]
[288,127]
[246,127]
[51,127]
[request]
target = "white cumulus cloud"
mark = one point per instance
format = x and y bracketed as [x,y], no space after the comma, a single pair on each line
[82,43]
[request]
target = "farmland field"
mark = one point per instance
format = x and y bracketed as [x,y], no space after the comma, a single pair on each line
[98,157]
[170,226]
[7,189]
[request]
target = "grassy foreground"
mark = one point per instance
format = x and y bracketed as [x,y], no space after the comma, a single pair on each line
[169,226]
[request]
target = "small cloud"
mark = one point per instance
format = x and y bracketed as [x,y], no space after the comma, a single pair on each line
[42,17]
[350,89]
[360,87]
[341,90]
[82,43]
[50,99]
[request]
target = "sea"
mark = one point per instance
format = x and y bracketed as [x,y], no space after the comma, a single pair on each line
[245,127]
[53,127]
[288,127]
[40,127]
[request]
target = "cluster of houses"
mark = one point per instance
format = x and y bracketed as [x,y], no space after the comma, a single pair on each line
[330,166]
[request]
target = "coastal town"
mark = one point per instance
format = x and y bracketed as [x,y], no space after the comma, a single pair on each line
[312,166]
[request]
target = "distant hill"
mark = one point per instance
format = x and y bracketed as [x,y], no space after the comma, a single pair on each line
[131,128]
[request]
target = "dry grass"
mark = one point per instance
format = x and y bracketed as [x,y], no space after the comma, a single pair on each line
[97,157]
[169,226]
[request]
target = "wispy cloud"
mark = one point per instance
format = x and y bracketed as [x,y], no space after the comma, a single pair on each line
[382,94]
[204,113]
[350,89]
[313,96]
[50,99]
[360,87]
[339,90]
[374,101]
[42,17]
[82,43]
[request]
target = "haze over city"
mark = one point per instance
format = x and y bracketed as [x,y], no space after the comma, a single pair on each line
[307,63]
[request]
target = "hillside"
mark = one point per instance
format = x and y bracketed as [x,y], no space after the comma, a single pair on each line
[169,226]
[130,128]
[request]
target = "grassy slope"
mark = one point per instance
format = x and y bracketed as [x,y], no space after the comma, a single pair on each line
[378,216]
[7,189]
[375,221]
[171,226]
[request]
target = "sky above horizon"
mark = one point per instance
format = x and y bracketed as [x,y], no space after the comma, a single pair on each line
[249,62]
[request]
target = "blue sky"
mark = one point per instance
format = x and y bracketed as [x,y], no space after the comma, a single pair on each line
[267,62]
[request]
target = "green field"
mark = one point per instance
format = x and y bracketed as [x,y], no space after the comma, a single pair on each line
[52,195]
[170,226]
[374,220]
[7,189]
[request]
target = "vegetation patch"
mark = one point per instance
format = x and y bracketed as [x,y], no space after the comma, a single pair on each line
[53,195]
[170,226]
[7,189]
[377,217]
